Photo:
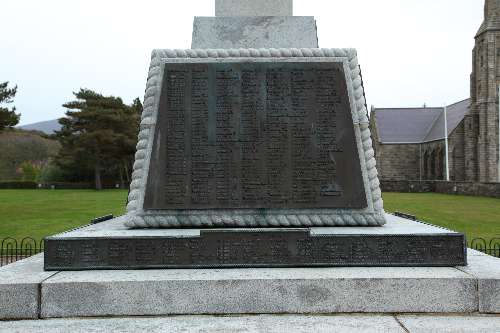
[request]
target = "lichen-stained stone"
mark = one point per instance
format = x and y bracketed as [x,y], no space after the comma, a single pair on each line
[19,288]
[253,7]
[254,32]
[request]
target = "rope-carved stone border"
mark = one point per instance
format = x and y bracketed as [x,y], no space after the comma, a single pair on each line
[373,215]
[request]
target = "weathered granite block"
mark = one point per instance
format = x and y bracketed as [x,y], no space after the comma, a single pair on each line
[19,288]
[254,32]
[487,271]
[253,8]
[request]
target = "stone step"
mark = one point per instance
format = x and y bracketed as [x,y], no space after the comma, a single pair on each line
[240,291]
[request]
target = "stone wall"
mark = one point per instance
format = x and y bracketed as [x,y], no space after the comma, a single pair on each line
[408,186]
[433,157]
[421,161]
[429,186]
[398,162]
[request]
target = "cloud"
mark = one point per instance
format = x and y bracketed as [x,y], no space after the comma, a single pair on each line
[411,51]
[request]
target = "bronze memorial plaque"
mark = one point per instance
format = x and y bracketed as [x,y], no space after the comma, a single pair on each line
[236,135]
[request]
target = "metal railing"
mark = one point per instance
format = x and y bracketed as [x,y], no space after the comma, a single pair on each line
[12,249]
[488,246]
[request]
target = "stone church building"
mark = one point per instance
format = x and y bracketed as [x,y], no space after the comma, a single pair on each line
[410,142]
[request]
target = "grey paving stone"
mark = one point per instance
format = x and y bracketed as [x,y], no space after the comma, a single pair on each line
[243,291]
[254,32]
[451,324]
[487,271]
[19,288]
[198,324]
[253,8]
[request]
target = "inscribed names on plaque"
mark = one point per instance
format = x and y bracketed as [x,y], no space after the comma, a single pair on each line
[254,135]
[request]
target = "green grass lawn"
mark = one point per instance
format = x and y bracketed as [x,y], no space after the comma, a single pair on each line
[39,213]
[475,216]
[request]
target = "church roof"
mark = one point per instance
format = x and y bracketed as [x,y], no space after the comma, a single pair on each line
[417,125]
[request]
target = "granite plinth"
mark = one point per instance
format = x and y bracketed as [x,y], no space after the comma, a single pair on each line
[253,8]
[20,288]
[254,32]
[109,245]
[487,272]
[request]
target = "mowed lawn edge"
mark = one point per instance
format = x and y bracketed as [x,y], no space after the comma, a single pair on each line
[477,217]
[40,213]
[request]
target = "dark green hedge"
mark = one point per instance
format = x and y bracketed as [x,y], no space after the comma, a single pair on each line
[54,185]
[18,185]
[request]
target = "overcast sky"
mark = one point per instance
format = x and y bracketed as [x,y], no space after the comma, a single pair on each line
[411,51]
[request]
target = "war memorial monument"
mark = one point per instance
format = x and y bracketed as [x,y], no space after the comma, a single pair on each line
[254,191]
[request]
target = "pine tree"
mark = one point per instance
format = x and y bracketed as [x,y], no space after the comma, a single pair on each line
[100,132]
[8,117]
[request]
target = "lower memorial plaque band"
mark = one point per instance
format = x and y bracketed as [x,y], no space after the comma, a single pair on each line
[284,248]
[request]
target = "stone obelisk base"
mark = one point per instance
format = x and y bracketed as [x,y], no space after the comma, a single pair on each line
[109,245]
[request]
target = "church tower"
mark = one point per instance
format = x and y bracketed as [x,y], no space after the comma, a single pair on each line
[482,124]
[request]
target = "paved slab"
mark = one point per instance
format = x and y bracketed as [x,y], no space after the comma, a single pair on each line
[19,288]
[265,323]
[451,324]
[253,8]
[240,291]
[194,324]
[254,32]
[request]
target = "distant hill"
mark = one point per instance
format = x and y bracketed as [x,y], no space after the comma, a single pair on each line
[47,127]
[18,146]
